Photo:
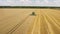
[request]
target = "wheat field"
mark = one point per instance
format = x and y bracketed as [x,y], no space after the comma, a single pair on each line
[19,21]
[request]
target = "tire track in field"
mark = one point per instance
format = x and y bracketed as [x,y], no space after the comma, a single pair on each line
[18,25]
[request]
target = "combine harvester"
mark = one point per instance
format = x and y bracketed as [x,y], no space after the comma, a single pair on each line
[33,14]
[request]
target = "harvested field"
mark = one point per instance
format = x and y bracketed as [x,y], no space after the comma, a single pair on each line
[19,21]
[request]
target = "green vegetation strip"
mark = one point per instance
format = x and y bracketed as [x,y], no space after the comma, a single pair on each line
[28,7]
